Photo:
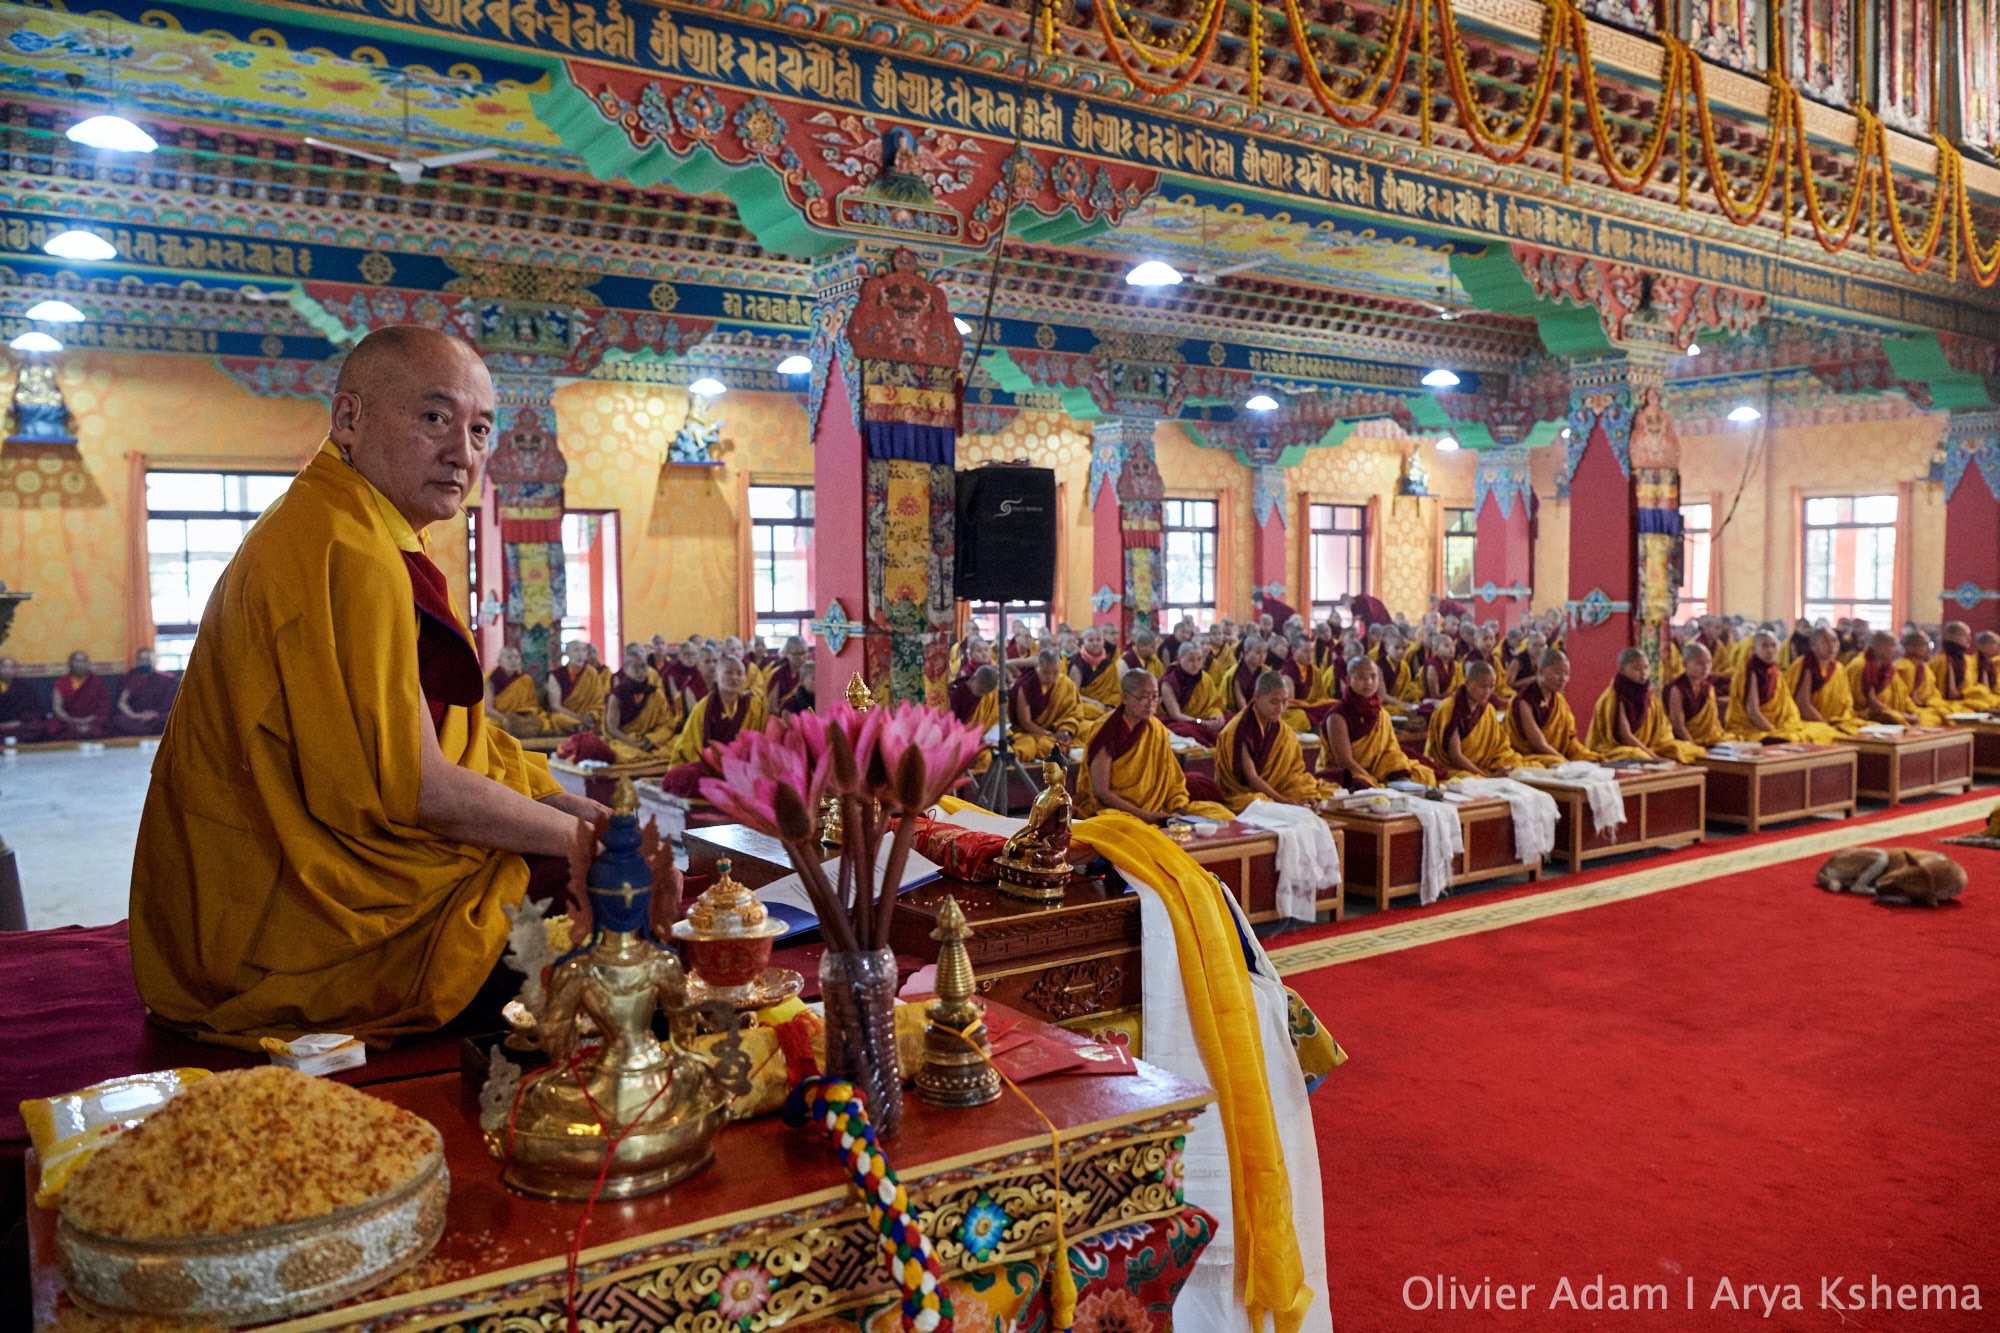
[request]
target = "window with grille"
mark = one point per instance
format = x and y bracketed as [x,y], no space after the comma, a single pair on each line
[781,538]
[1337,551]
[1187,549]
[1697,532]
[1461,532]
[194,523]
[1850,557]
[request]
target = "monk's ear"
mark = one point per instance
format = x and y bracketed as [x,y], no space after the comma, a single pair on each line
[346,422]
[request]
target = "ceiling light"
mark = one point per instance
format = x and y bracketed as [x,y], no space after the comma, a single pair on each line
[35,341]
[113,134]
[1565,432]
[76,244]
[964,329]
[1153,273]
[708,386]
[1440,379]
[55,312]
[1694,349]
[1743,413]
[1447,444]
[1261,402]
[791,365]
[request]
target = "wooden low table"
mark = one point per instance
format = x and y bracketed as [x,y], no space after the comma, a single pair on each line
[1985,745]
[1785,782]
[777,1199]
[1920,761]
[1662,807]
[1382,855]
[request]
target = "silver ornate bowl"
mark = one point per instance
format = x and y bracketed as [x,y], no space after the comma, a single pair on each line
[248,1277]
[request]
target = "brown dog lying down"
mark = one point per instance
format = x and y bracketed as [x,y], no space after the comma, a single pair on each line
[1891,875]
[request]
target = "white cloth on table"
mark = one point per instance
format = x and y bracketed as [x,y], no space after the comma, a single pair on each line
[1600,786]
[1534,814]
[1211,1300]
[1308,862]
[1443,839]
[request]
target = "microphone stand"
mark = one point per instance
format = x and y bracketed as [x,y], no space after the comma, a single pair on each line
[993,788]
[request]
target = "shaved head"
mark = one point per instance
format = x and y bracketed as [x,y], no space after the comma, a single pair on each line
[413,412]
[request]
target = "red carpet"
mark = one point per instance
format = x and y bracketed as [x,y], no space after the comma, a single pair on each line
[1744,1079]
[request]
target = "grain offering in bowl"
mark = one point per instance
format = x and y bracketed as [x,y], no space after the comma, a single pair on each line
[246,1149]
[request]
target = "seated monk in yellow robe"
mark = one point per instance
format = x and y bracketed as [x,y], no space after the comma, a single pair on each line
[1818,684]
[975,700]
[575,692]
[512,703]
[1130,765]
[639,718]
[1914,668]
[1358,745]
[334,830]
[723,714]
[1761,708]
[1045,711]
[1190,699]
[1309,705]
[1467,738]
[1541,728]
[1879,695]
[1144,651]
[1965,677]
[1440,672]
[1257,757]
[1095,670]
[1630,722]
[1692,715]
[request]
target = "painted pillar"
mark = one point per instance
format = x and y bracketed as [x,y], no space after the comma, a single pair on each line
[1623,473]
[1972,519]
[1107,542]
[1270,542]
[884,414]
[1503,552]
[526,475]
[1140,494]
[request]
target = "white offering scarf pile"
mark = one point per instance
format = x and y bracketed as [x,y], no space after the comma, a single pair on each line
[1600,785]
[1534,814]
[1308,862]
[1212,1300]
[1443,838]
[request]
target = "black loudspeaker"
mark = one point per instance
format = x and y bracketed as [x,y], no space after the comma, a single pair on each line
[1006,534]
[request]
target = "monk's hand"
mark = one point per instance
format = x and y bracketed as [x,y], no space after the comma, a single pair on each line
[581,806]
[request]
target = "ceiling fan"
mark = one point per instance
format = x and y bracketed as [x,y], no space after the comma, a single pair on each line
[1208,277]
[406,167]
[1448,311]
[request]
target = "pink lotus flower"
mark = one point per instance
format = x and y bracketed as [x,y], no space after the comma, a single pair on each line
[753,767]
[942,744]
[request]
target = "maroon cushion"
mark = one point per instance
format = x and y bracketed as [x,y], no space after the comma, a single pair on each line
[1201,787]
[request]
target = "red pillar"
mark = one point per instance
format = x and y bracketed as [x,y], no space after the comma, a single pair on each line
[1271,542]
[1503,553]
[840,541]
[1107,547]
[1972,520]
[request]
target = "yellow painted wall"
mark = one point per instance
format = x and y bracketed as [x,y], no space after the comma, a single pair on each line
[1362,468]
[1191,472]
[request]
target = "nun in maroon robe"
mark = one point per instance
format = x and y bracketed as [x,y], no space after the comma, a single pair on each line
[144,698]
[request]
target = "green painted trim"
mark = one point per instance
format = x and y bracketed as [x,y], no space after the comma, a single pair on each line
[1493,281]
[1922,359]
[322,321]
[1065,228]
[1076,403]
[1430,413]
[1292,455]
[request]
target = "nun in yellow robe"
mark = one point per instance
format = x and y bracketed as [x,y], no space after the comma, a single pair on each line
[281,882]
[1780,709]
[1051,700]
[1925,699]
[1483,740]
[642,710]
[1654,732]
[1271,747]
[1143,770]
[1832,699]
[1551,714]
[514,704]
[1699,716]
[581,689]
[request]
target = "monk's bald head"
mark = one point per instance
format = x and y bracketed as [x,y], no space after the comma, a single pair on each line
[413,412]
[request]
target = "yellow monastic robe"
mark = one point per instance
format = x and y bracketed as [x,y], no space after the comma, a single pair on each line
[1062,710]
[1781,711]
[1209,700]
[656,723]
[1656,733]
[1485,746]
[985,715]
[1972,696]
[1834,700]
[584,698]
[1379,752]
[1150,777]
[281,883]
[518,710]
[1559,732]
[1926,700]
[1104,688]
[1704,725]
[1284,768]
[1222,667]
[1671,664]
[693,737]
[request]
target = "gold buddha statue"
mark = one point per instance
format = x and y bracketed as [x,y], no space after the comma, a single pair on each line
[1035,864]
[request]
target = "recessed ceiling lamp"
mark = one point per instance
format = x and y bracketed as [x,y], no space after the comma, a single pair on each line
[54,312]
[79,244]
[113,134]
[1694,349]
[1153,273]
[795,365]
[708,386]
[1743,413]
[1447,444]
[964,329]
[1261,402]
[1440,379]
[35,341]
[1565,432]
